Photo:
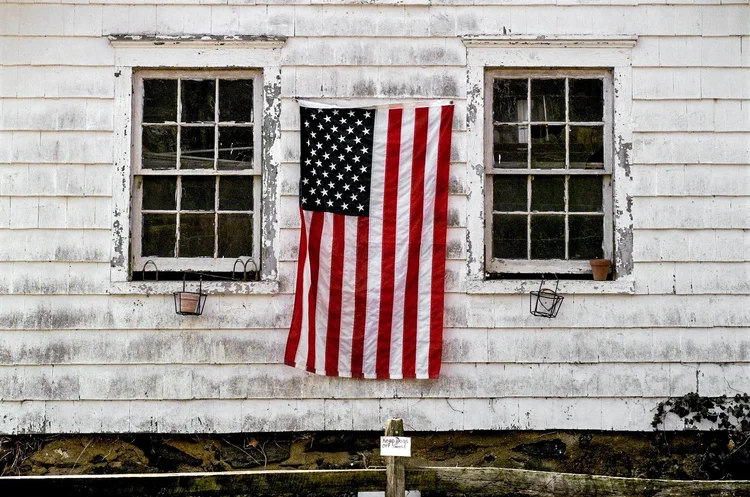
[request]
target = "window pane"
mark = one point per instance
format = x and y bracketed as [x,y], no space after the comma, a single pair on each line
[585,194]
[586,99]
[236,193]
[159,235]
[235,235]
[235,148]
[159,147]
[547,237]
[159,193]
[198,99]
[509,193]
[548,193]
[586,148]
[548,100]
[548,147]
[159,100]
[197,148]
[236,100]
[198,193]
[509,100]
[196,235]
[510,146]
[586,237]
[509,236]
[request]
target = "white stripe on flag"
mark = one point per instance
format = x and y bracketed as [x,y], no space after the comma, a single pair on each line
[425,256]
[402,241]
[324,293]
[347,296]
[375,248]
[301,355]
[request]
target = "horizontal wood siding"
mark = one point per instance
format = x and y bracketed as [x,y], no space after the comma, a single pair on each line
[77,355]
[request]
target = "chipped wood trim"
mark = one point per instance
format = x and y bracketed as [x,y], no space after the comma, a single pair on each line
[519,53]
[188,52]
[550,41]
[196,41]
[211,287]
[619,287]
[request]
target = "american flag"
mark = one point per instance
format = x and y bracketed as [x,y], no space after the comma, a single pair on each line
[373,196]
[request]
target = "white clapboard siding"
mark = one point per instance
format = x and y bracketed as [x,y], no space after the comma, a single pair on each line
[658,278]
[691,115]
[72,114]
[57,82]
[50,180]
[480,345]
[233,416]
[242,381]
[707,245]
[690,51]
[691,180]
[79,355]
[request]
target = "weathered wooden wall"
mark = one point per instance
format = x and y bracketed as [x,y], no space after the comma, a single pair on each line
[76,358]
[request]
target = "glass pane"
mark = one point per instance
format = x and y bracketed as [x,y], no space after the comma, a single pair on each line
[159,100]
[159,235]
[548,193]
[509,193]
[547,237]
[198,98]
[586,148]
[235,148]
[197,148]
[159,193]
[509,236]
[159,147]
[510,146]
[196,235]
[236,100]
[586,99]
[548,146]
[198,193]
[586,237]
[548,100]
[235,235]
[585,194]
[509,100]
[236,193]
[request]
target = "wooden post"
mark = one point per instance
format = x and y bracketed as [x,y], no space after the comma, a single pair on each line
[394,466]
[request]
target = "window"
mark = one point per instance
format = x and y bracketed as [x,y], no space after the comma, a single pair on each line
[548,164]
[196,170]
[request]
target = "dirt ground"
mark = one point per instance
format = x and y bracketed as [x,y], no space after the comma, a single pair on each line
[648,455]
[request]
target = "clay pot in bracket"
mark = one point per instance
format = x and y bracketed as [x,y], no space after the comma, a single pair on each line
[600,268]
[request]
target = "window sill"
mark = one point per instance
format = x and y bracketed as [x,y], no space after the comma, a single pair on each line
[623,286]
[210,287]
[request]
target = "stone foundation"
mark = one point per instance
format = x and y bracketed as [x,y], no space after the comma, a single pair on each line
[645,455]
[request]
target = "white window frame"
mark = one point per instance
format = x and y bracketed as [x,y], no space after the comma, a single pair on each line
[526,53]
[196,263]
[135,53]
[548,266]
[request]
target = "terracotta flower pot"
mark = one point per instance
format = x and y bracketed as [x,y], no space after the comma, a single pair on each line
[189,302]
[600,268]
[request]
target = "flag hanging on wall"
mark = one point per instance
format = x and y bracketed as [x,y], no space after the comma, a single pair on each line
[373,196]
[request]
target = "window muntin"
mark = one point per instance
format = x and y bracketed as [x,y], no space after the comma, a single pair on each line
[548,174]
[196,169]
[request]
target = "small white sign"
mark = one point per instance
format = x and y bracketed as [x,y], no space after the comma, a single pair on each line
[395,446]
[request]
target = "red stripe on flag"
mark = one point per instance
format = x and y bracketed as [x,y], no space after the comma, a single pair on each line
[439,235]
[334,303]
[316,229]
[360,296]
[294,332]
[390,201]
[416,209]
